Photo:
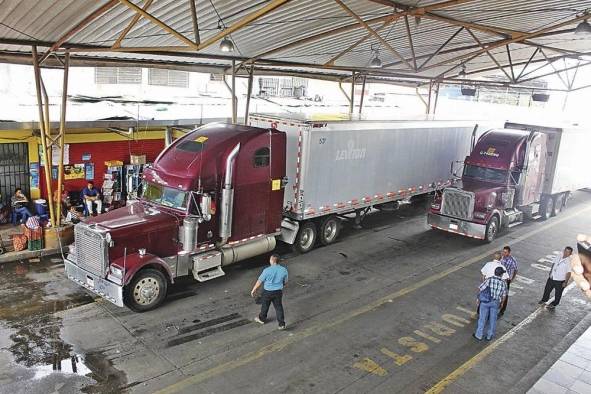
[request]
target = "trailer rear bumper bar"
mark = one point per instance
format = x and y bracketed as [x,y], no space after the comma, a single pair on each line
[102,287]
[457,226]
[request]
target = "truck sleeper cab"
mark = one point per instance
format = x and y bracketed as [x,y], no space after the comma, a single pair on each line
[511,175]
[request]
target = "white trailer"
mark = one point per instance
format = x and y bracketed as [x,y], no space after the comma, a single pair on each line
[336,167]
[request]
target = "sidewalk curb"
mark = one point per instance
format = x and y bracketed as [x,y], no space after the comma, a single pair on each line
[11,257]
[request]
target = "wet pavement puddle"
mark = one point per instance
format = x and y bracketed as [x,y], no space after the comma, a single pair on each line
[32,297]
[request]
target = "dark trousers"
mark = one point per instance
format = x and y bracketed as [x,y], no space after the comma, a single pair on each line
[504,304]
[558,289]
[274,297]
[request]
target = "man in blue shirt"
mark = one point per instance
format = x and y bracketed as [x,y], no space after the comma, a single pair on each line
[510,265]
[273,279]
[91,196]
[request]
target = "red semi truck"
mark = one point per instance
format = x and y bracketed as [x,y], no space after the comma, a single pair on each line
[520,172]
[225,193]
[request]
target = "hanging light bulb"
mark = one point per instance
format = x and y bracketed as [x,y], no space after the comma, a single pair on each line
[583,28]
[226,45]
[376,62]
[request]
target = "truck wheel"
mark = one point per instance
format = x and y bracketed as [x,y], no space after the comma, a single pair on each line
[329,230]
[492,228]
[545,208]
[558,204]
[146,290]
[306,238]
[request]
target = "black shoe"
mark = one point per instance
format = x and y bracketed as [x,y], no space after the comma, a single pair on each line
[541,302]
[475,337]
[551,306]
[488,339]
[500,315]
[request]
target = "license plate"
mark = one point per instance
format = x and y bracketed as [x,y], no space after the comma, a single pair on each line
[89,281]
[453,226]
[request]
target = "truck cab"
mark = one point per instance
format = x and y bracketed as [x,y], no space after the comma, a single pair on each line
[212,198]
[501,182]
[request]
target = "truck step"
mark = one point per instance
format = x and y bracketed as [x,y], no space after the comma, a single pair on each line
[213,273]
[514,224]
[536,217]
[207,266]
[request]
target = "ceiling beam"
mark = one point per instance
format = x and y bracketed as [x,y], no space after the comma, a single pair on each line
[373,33]
[441,47]
[510,63]
[527,63]
[489,46]
[566,85]
[410,43]
[193,9]
[81,25]
[158,23]
[360,41]
[132,22]
[490,55]
[347,28]
[243,22]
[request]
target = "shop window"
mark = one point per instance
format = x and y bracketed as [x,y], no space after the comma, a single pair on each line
[262,157]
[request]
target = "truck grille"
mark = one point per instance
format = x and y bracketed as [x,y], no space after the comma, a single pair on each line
[91,250]
[458,204]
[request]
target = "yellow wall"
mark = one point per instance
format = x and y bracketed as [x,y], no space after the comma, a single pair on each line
[75,137]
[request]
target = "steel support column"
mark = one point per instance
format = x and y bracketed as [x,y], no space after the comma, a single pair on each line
[43,133]
[352,101]
[248,93]
[61,141]
[362,94]
[436,99]
[234,99]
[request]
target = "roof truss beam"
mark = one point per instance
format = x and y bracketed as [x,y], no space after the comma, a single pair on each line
[373,33]
[490,55]
[132,22]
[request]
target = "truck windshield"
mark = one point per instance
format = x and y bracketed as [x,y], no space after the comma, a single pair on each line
[485,174]
[166,196]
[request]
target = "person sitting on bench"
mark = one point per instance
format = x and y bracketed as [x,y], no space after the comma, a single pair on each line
[19,205]
[91,195]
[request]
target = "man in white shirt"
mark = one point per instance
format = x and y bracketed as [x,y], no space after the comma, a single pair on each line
[558,278]
[488,271]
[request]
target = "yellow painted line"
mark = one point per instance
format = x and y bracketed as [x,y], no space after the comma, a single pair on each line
[305,333]
[462,369]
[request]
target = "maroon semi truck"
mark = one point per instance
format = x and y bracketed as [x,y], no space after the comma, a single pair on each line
[520,172]
[219,195]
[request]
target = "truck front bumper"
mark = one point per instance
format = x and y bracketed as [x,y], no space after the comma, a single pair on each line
[102,287]
[457,226]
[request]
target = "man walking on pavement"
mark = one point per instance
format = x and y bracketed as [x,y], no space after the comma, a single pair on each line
[510,264]
[492,293]
[273,279]
[558,278]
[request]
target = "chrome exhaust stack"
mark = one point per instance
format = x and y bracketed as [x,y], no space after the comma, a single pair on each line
[227,203]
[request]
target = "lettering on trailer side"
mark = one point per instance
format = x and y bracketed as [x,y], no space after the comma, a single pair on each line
[351,153]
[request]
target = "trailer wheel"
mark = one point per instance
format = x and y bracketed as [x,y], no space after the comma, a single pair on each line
[306,238]
[492,228]
[545,208]
[146,291]
[329,230]
[558,204]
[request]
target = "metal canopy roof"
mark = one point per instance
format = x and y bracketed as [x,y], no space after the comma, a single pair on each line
[417,41]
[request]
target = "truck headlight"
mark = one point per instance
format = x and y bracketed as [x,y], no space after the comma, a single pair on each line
[142,252]
[116,272]
[480,215]
[72,249]
[436,206]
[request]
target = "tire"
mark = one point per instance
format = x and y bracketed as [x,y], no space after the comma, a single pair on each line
[557,204]
[545,208]
[492,229]
[146,291]
[306,238]
[329,230]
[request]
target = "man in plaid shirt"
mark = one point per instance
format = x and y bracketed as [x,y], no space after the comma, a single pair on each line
[510,265]
[490,309]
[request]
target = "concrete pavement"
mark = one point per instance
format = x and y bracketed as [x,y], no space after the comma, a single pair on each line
[387,309]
